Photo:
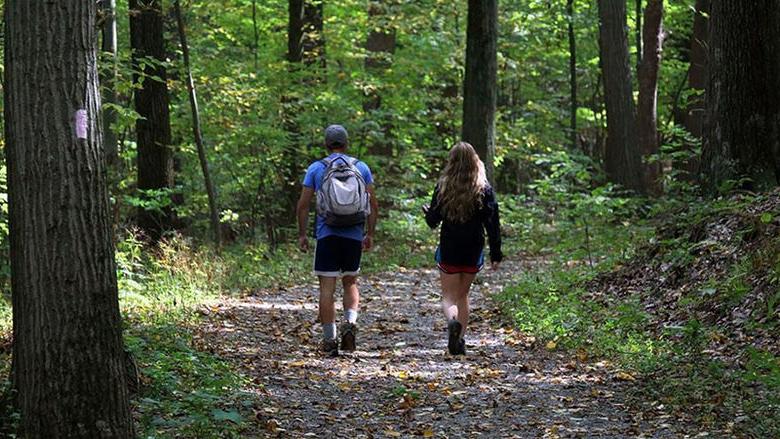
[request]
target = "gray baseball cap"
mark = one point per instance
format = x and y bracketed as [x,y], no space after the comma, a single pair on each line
[336,136]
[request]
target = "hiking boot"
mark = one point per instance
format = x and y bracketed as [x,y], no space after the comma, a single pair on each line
[461,347]
[330,348]
[455,343]
[348,332]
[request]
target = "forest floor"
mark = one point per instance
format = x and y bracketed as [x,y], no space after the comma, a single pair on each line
[401,383]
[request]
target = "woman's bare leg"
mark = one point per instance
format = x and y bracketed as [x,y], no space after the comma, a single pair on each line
[464,286]
[450,284]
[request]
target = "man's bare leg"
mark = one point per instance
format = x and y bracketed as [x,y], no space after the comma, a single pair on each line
[328,307]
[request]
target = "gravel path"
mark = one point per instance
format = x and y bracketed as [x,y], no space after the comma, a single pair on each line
[401,383]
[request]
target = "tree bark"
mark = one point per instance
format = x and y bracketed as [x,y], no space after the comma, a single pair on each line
[638,33]
[109,47]
[380,46]
[622,156]
[68,360]
[479,88]
[572,74]
[295,31]
[256,45]
[196,131]
[741,139]
[313,38]
[647,112]
[697,74]
[153,129]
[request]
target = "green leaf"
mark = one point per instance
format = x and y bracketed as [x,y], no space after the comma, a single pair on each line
[222,415]
[766,218]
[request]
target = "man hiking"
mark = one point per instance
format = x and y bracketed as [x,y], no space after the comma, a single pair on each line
[345,203]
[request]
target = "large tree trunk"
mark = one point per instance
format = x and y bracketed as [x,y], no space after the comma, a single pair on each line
[153,129]
[647,114]
[68,360]
[622,156]
[479,88]
[196,131]
[109,47]
[572,74]
[380,46]
[741,139]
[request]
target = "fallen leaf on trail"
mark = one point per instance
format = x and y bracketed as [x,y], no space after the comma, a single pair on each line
[624,376]
[391,433]
[551,345]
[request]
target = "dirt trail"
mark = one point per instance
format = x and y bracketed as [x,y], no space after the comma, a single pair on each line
[401,383]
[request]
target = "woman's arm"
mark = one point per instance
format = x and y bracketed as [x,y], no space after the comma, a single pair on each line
[492,225]
[433,213]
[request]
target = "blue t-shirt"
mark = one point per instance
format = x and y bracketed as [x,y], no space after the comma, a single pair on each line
[313,179]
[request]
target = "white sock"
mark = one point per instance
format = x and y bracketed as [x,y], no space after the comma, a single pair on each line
[351,315]
[329,331]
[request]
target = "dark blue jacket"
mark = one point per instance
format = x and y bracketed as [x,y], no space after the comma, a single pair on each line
[462,243]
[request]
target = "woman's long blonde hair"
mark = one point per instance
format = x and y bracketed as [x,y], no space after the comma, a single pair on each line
[462,183]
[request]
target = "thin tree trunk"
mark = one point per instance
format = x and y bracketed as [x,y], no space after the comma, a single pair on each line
[572,74]
[109,47]
[647,110]
[196,131]
[479,88]
[257,35]
[380,46]
[68,361]
[295,31]
[741,138]
[313,38]
[638,34]
[153,129]
[693,120]
[622,157]
[697,74]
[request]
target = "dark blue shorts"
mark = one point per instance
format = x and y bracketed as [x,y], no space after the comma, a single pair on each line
[337,256]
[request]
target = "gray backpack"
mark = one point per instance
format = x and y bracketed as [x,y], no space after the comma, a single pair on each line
[342,199]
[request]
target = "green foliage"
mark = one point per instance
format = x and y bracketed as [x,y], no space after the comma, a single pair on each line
[189,393]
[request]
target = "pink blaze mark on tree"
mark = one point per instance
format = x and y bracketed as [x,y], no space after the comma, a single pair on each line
[81,124]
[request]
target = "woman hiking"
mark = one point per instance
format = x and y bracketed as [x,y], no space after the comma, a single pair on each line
[465,205]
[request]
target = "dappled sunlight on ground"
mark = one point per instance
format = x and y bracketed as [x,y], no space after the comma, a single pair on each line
[401,382]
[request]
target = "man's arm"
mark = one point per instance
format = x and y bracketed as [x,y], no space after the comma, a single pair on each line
[302,212]
[368,242]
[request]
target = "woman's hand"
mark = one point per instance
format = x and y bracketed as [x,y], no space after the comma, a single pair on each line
[425,208]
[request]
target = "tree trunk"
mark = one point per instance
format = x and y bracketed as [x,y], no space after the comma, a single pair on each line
[196,131]
[572,74]
[697,74]
[380,46]
[622,156]
[295,31]
[68,361]
[256,45]
[313,38]
[479,88]
[153,129]
[638,34]
[647,114]
[109,47]
[741,139]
